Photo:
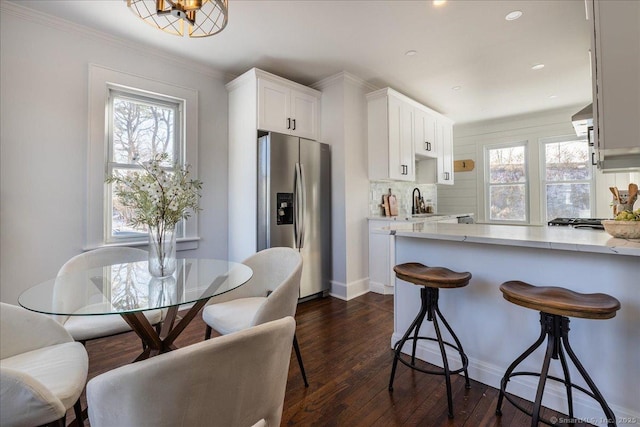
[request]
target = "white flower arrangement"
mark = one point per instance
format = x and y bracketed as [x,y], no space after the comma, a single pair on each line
[158,198]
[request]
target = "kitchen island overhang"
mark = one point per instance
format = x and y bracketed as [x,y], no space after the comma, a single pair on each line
[493,331]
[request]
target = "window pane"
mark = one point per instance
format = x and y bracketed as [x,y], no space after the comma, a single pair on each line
[507,165]
[568,201]
[507,202]
[121,215]
[141,130]
[567,161]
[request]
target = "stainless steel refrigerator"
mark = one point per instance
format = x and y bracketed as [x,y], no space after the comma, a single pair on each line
[294,204]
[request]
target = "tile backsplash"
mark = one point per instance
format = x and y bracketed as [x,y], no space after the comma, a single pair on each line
[402,190]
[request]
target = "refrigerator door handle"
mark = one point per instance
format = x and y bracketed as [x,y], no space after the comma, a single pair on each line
[303,207]
[297,196]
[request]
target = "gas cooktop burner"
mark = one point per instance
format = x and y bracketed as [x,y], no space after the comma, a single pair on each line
[594,223]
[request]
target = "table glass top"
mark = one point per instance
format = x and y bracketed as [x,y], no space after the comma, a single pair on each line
[124,288]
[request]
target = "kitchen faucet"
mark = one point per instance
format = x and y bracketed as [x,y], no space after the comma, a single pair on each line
[415,204]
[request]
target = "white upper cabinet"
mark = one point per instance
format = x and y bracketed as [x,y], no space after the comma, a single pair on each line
[390,137]
[444,132]
[615,56]
[424,137]
[287,107]
[401,131]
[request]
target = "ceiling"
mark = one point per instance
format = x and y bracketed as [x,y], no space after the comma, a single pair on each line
[465,43]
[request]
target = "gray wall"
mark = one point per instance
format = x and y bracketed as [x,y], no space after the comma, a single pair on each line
[43,141]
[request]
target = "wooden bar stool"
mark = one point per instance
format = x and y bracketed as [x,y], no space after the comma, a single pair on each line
[556,305]
[431,279]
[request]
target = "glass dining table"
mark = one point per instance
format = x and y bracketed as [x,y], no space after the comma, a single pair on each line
[129,290]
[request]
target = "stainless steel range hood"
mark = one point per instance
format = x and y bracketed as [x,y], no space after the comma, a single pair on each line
[582,120]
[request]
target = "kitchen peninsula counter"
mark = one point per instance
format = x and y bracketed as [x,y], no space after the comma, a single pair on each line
[416,219]
[494,332]
[546,237]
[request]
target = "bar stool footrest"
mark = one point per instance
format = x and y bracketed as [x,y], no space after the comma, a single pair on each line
[465,360]
[550,377]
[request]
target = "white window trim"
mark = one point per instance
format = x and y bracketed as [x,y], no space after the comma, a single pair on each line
[487,165]
[542,143]
[100,80]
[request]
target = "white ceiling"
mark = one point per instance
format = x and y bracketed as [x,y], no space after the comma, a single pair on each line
[465,43]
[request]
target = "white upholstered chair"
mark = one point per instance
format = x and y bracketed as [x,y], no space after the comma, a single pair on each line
[84,328]
[271,293]
[237,380]
[42,369]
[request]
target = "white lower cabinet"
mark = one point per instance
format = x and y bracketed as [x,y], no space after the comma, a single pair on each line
[381,255]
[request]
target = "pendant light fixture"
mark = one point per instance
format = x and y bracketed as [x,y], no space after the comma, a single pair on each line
[203,17]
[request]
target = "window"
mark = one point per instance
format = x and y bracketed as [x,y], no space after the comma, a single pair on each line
[567,177]
[130,119]
[140,126]
[506,187]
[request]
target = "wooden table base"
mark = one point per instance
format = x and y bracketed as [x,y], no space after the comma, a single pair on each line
[157,343]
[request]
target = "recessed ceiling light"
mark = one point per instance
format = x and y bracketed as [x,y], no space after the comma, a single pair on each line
[439,2]
[411,52]
[538,67]
[512,16]
[456,88]
[553,96]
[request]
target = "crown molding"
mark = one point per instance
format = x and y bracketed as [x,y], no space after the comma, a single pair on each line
[40,18]
[344,76]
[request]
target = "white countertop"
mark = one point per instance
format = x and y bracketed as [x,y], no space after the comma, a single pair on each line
[410,219]
[547,237]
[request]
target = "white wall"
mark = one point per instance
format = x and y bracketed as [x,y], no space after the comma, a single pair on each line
[466,195]
[344,119]
[43,141]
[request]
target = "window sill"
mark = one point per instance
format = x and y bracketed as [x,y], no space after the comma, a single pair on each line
[184,244]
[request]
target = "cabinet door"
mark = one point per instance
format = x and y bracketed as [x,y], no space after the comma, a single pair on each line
[445,149]
[303,114]
[381,259]
[616,62]
[273,107]
[401,155]
[424,136]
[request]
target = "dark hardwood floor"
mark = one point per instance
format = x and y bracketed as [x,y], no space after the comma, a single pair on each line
[345,346]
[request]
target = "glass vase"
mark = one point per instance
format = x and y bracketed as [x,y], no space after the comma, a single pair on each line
[162,250]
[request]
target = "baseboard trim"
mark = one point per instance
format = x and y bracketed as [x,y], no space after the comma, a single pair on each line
[349,291]
[380,288]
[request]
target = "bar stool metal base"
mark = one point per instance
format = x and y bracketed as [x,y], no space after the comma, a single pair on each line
[430,310]
[556,329]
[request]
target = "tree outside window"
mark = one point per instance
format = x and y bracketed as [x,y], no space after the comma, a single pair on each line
[506,186]
[139,128]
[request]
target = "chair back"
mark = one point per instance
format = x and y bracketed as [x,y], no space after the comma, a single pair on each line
[234,380]
[87,260]
[277,273]
[22,331]
[280,271]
